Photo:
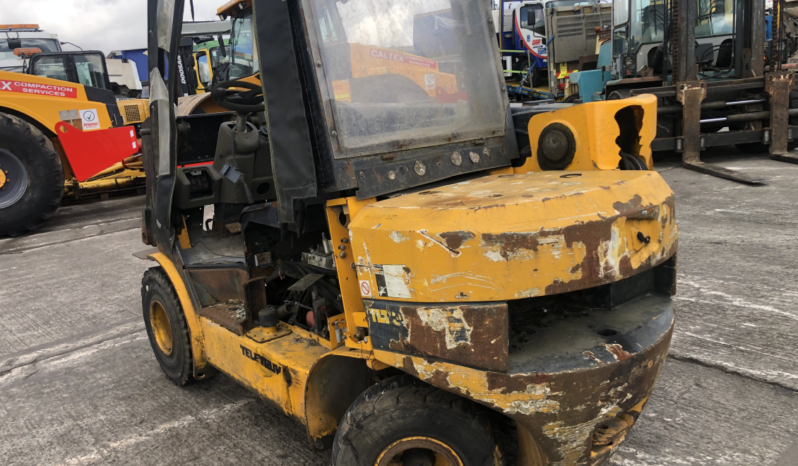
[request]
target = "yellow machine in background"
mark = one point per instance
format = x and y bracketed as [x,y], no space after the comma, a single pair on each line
[38,169]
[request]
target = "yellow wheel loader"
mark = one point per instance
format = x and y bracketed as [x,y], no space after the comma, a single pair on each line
[415,279]
[62,135]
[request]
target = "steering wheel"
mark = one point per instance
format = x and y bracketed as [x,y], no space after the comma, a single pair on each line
[250,101]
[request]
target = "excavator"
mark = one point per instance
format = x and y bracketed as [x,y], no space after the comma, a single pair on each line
[361,242]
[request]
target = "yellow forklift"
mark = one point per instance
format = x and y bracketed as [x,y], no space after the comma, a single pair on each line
[388,268]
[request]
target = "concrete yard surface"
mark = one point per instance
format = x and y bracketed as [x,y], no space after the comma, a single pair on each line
[79,383]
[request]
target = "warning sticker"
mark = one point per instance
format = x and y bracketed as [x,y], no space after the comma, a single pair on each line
[365,288]
[429,80]
[38,89]
[89,119]
[392,281]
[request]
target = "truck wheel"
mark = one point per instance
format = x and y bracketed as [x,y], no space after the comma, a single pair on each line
[31,176]
[166,326]
[404,421]
[536,78]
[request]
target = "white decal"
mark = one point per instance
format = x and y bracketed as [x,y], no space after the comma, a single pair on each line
[90,119]
[429,80]
[395,281]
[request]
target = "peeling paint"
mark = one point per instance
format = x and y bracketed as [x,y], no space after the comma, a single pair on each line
[398,237]
[453,252]
[494,256]
[450,322]
[617,351]
[530,293]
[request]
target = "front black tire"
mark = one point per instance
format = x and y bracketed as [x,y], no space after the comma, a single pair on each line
[170,341]
[388,416]
[34,183]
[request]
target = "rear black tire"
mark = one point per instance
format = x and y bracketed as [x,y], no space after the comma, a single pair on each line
[400,408]
[157,289]
[27,147]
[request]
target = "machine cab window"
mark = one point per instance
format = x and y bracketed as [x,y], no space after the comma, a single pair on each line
[86,68]
[90,70]
[54,67]
[202,67]
[243,49]
[533,17]
[384,83]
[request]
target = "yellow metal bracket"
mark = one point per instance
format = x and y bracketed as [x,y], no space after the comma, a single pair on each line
[339,214]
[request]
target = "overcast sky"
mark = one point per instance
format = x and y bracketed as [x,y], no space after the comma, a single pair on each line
[104,25]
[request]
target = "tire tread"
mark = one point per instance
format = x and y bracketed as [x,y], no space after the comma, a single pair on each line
[27,130]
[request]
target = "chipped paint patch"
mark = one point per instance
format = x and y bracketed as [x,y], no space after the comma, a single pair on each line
[450,322]
[573,439]
[538,402]
[398,237]
[617,351]
[530,293]
[453,252]
[494,256]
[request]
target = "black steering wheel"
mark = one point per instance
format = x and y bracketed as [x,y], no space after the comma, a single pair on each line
[250,101]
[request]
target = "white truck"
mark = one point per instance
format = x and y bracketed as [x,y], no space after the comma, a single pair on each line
[23,36]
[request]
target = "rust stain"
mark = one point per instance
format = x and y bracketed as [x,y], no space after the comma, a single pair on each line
[602,239]
[627,208]
[506,384]
[617,351]
[592,356]
[473,335]
[511,243]
[455,239]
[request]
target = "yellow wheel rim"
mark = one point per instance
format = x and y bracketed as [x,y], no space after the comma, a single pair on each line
[392,454]
[161,327]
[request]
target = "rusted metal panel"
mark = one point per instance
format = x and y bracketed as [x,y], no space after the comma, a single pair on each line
[476,335]
[779,84]
[229,315]
[218,284]
[567,234]
[574,383]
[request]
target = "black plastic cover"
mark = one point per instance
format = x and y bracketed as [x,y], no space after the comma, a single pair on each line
[287,123]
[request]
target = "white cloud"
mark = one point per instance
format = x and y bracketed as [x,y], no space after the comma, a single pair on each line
[103,25]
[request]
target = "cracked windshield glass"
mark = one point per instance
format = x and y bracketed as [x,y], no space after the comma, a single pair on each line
[396,71]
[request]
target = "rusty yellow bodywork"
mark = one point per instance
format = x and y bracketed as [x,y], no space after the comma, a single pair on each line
[444,265]
[468,251]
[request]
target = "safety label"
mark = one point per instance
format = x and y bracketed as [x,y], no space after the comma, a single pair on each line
[89,119]
[429,80]
[38,89]
[392,281]
[365,288]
